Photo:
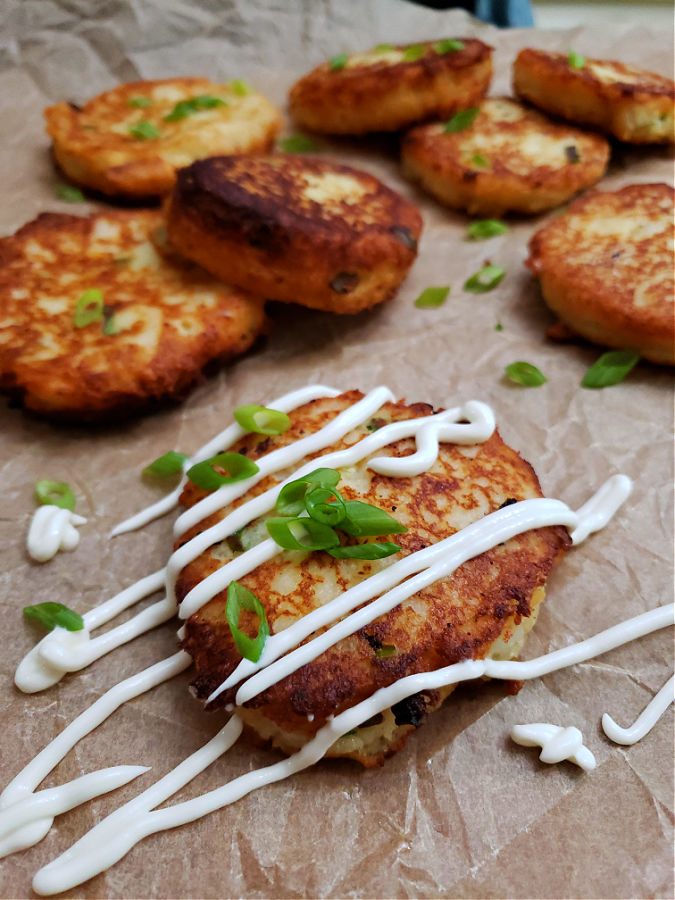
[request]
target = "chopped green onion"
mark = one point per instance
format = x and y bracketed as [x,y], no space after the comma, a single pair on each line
[610,369]
[461,120]
[385,651]
[432,297]
[53,615]
[479,160]
[89,308]
[384,48]
[240,87]
[234,466]
[338,62]
[291,499]
[576,60]
[362,519]
[484,280]
[448,45]
[140,102]
[262,420]
[301,534]
[186,108]
[54,493]
[410,54]
[499,327]
[297,143]
[110,325]
[322,509]
[238,598]
[169,464]
[486,228]
[144,131]
[69,193]
[526,374]
[365,551]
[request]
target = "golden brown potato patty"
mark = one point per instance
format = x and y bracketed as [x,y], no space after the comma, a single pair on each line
[509,158]
[131,140]
[144,335]
[486,606]
[606,268]
[296,229]
[632,104]
[390,87]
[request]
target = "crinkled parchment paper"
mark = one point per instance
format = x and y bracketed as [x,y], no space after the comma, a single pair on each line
[461,812]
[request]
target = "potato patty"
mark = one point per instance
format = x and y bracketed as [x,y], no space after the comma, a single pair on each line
[296,229]
[632,104]
[390,87]
[130,141]
[508,158]
[485,607]
[97,317]
[606,268]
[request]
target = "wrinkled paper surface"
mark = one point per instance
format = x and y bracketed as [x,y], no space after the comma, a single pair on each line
[462,811]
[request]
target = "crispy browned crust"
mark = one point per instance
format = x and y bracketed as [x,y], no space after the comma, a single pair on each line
[632,104]
[388,96]
[94,148]
[177,319]
[606,268]
[256,219]
[510,158]
[456,618]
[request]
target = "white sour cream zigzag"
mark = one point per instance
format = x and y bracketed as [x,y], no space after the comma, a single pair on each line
[52,529]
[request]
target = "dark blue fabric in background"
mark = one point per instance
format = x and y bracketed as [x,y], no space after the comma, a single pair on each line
[505,13]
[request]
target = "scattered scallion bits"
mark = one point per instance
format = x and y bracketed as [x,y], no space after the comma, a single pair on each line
[291,499]
[185,108]
[364,520]
[301,534]
[69,193]
[54,493]
[365,551]
[479,160]
[448,45]
[461,120]
[325,505]
[485,228]
[576,60]
[338,62]
[89,308]
[484,280]
[238,599]
[170,463]
[140,102]
[54,615]
[499,327]
[432,297]
[261,420]
[297,143]
[415,51]
[240,87]
[110,323]
[526,374]
[232,467]
[385,651]
[384,48]
[611,368]
[144,131]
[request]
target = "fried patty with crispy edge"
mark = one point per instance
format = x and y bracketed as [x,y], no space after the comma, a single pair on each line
[388,88]
[634,105]
[606,268]
[163,319]
[486,607]
[296,229]
[121,143]
[509,158]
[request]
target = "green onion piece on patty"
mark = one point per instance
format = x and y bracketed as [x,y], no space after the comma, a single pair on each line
[140,102]
[225,468]
[432,297]
[321,506]
[291,499]
[338,62]
[54,615]
[486,228]
[449,45]
[384,48]
[301,534]
[365,551]
[68,193]
[385,651]
[239,598]
[410,54]
[169,464]
[526,374]
[240,87]
[186,108]
[484,280]
[479,160]
[144,131]
[362,520]
[461,120]
[261,420]
[610,369]
[54,493]
[576,60]
[89,308]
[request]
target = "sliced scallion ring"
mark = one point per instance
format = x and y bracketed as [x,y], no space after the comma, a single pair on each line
[325,505]
[385,651]
[461,120]
[384,48]
[526,374]
[479,160]
[69,193]
[432,297]
[89,308]
[144,131]
[486,228]
[169,463]
[448,45]
[410,54]
[362,519]
[240,87]
[301,534]
[185,108]
[297,143]
[338,62]
[262,420]
[291,499]
[611,368]
[365,551]
[239,598]
[54,493]
[233,467]
[576,60]
[53,615]
[140,102]
[484,280]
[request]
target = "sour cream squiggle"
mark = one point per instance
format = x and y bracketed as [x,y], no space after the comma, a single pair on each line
[113,837]
[645,721]
[557,743]
[52,529]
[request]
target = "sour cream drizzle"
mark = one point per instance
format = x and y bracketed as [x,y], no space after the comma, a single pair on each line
[557,743]
[52,529]
[645,721]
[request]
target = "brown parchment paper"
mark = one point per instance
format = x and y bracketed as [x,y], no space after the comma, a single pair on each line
[461,812]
